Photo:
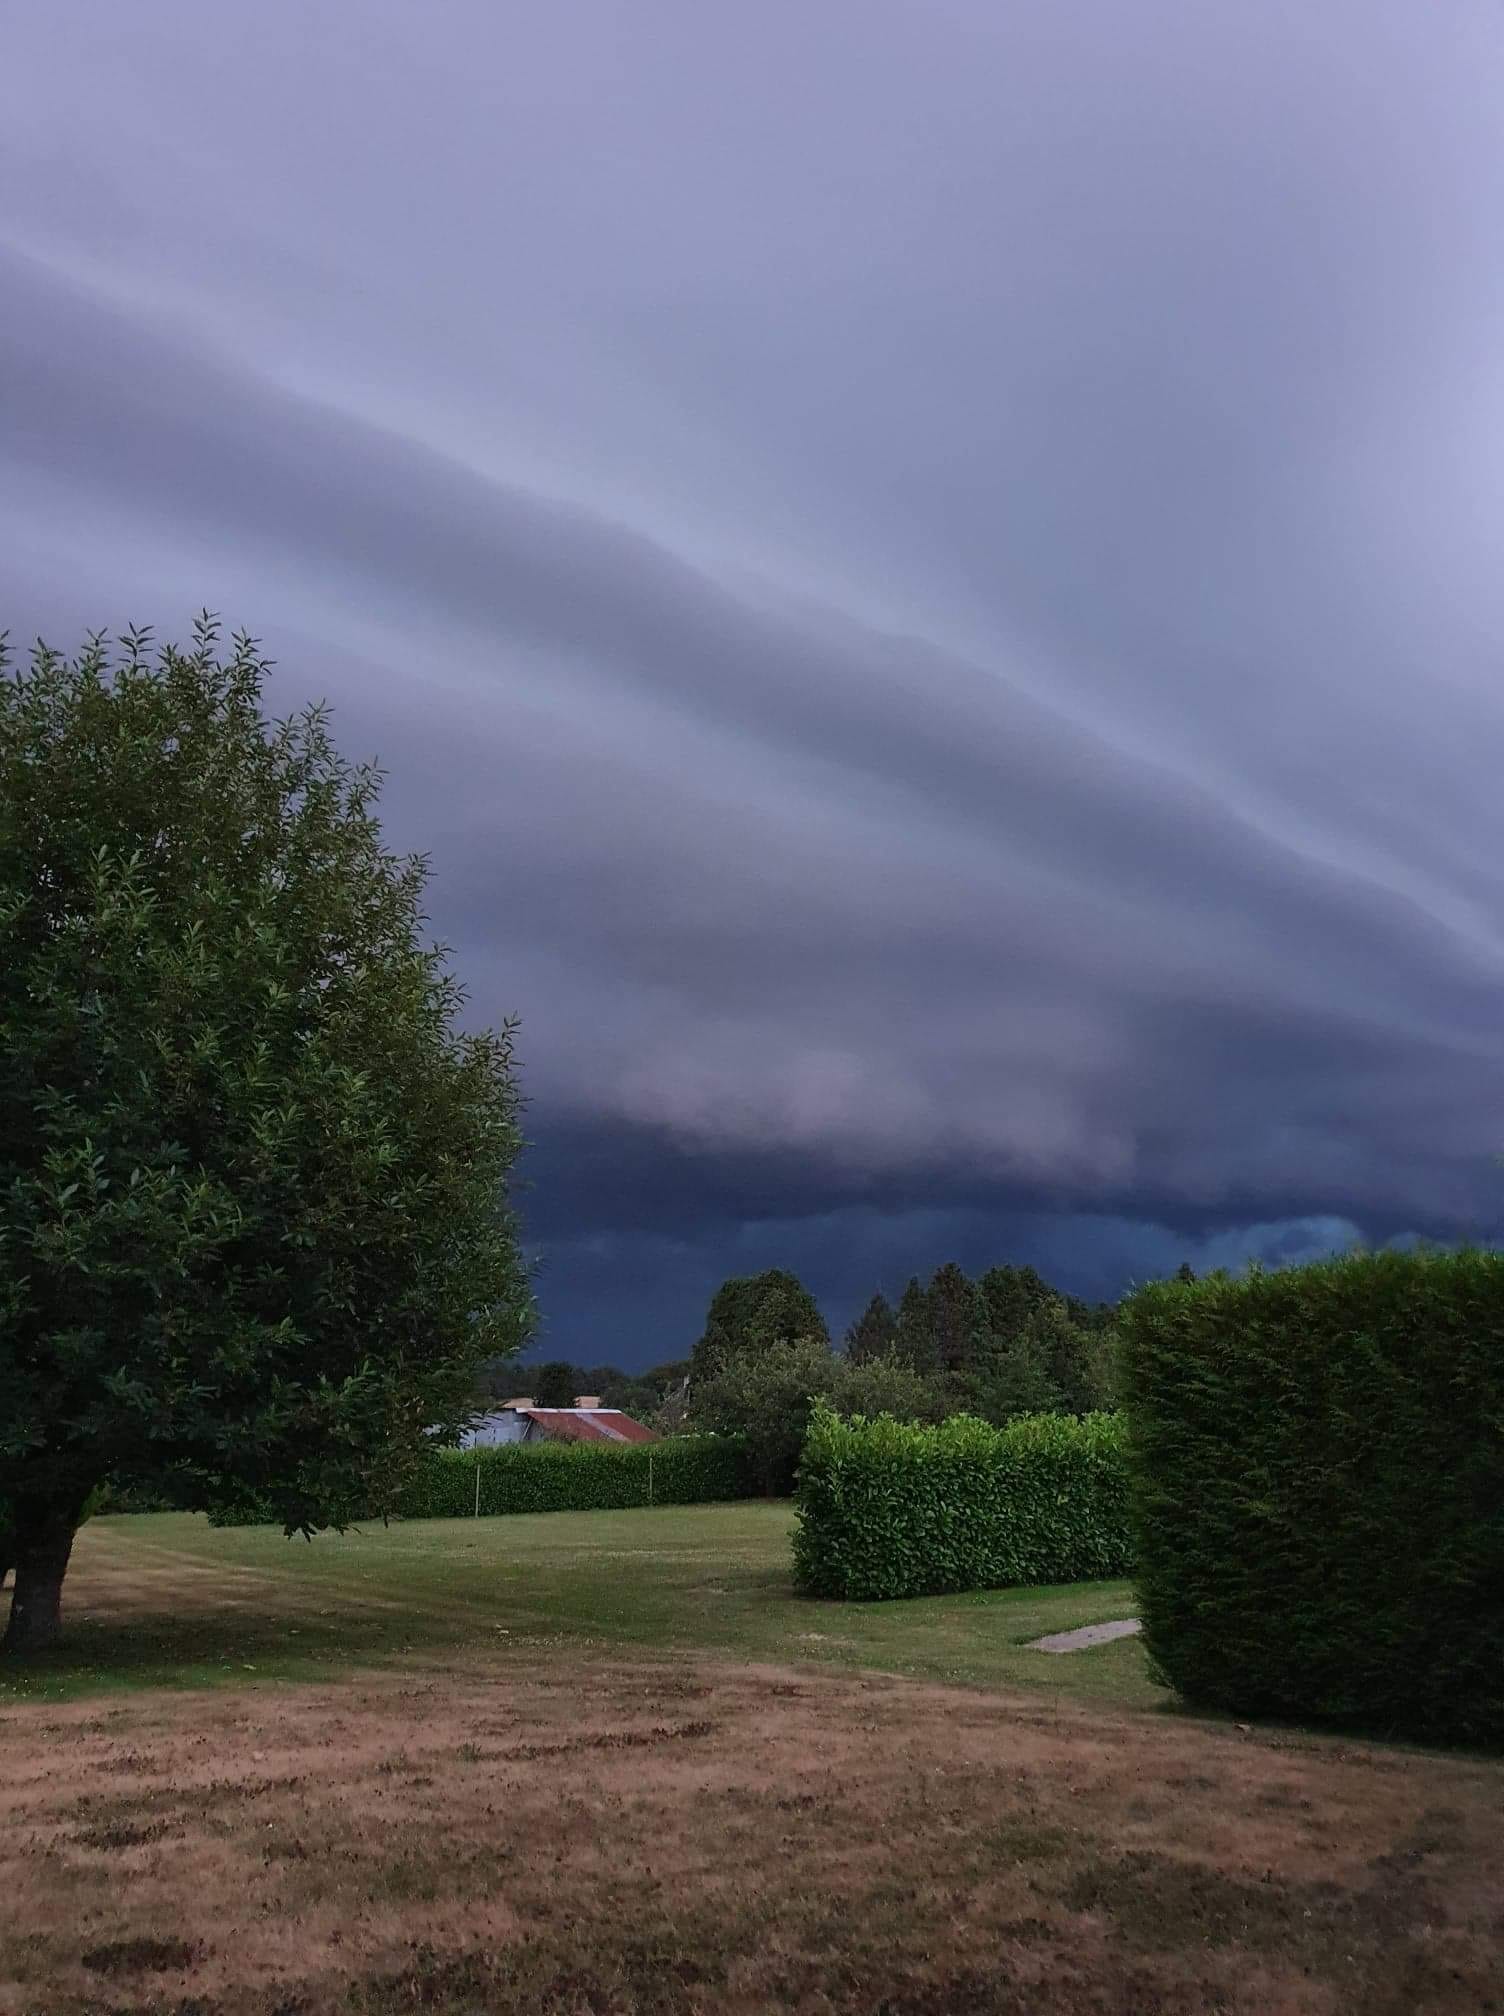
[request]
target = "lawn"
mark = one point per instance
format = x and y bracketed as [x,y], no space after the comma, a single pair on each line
[609,1764]
[167,1599]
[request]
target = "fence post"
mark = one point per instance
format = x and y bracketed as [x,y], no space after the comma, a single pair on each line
[650,1476]
[477,1487]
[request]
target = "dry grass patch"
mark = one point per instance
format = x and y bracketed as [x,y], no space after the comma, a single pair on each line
[638,1838]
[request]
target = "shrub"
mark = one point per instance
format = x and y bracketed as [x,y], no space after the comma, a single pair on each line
[890,1510]
[766,1398]
[1317,1486]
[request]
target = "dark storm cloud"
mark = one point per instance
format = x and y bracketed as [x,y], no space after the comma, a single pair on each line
[922,572]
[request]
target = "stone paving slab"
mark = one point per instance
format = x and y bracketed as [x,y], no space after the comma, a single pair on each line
[1089,1634]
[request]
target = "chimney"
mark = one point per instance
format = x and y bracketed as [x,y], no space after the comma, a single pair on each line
[587,1399]
[517,1403]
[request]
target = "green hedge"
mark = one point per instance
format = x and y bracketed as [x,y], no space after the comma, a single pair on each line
[1317,1484]
[559,1477]
[578,1477]
[886,1509]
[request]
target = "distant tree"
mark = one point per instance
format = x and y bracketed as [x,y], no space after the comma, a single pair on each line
[1014,1379]
[1080,1361]
[873,1332]
[784,1311]
[726,1323]
[632,1392]
[1185,1272]
[554,1383]
[887,1385]
[914,1334]
[753,1311]
[767,1396]
[1012,1296]
[1050,1365]
[495,1379]
[671,1415]
[253,1174]
[959,1319]
[1093,1315]
[640,1394]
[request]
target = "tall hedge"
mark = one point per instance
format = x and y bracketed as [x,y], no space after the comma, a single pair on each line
[886,1509]
[1317,1480]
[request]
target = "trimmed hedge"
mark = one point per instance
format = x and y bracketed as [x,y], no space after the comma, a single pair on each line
[1317,1486]
[578,1477]
[559,1477]
[886,1509]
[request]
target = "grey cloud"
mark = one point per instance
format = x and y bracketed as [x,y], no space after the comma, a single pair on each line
[919,570]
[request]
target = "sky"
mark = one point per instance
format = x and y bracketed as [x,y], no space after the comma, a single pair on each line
[927,574]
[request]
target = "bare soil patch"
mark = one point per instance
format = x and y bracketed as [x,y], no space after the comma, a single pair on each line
[661,1838]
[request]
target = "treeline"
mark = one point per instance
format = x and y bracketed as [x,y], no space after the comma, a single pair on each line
[1003,1344]
[999,1346]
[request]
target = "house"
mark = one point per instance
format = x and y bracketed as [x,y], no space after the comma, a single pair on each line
[586,1421]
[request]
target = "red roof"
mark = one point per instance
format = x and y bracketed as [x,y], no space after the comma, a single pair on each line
[594,1424]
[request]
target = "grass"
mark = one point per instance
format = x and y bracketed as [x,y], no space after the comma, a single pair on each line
[610,1764]
[167,1600]
[556,1831]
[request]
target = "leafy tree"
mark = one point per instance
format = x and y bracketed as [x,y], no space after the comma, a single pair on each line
[255,1238]
[1093,1315]
[753,1311]
[784,1309]
[1186,1272]
[959,1317]
[632,1392]
[554,1384]
[1015,1379]
[671,1415]
[640,1394]
[1079,1360]
[1013,1295]
[767,1396]
[495,1379]
[1051,1365]
[886,1385]
[873,1332]
[914,1337]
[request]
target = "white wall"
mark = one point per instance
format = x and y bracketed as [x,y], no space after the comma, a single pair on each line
[492,1430]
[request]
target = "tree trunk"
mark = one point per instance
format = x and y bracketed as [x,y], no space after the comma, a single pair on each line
[41,1543]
